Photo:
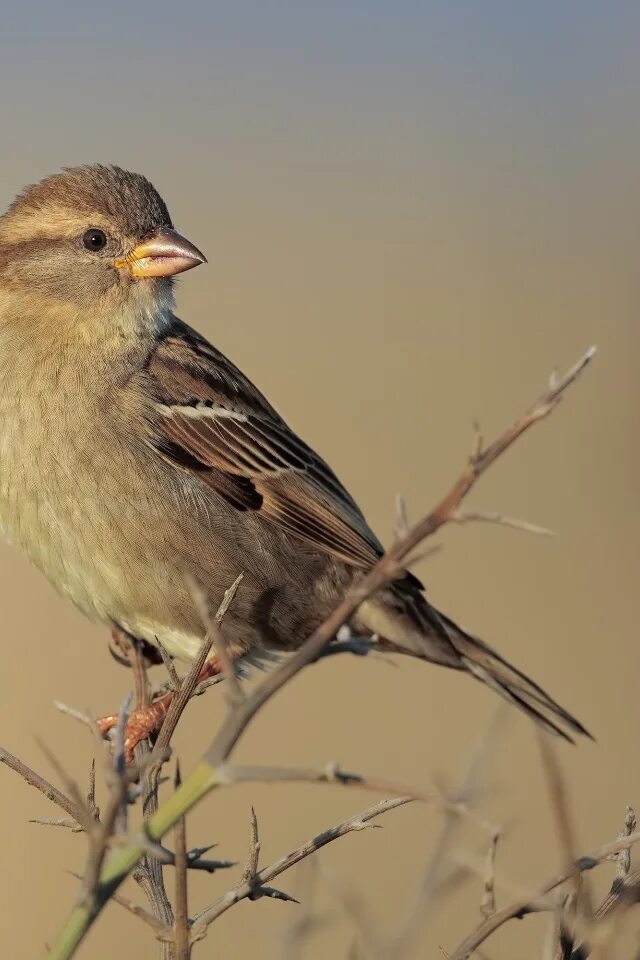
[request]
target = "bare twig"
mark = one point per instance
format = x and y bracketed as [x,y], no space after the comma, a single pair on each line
[212,626]
[488,902]
[72,788]
[84,817]
[134,908]
[91,792]
[189,683]
[250,872]
[522,906]
[149,877]
[624,857]
[75,810]
[68,822]
[624,892]
[247,888]
[209,682]
[149,873]
[485,516]
[119,759]
[330,773]
[100,835]
[455,807]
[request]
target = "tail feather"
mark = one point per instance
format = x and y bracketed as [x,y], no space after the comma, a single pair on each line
[488,666]
[407,623]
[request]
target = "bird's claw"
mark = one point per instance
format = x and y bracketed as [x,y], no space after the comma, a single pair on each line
[142,723]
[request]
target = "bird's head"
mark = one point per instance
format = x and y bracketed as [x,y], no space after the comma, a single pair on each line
[94,237]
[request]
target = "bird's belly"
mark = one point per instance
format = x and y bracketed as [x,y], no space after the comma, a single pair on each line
[106,554]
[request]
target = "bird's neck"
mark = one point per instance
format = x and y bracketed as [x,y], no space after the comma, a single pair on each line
[54,333]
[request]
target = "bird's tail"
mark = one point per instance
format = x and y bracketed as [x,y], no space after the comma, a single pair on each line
[406,623]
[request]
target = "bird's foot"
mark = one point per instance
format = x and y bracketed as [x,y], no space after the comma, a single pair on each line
[142,723]
[146,721]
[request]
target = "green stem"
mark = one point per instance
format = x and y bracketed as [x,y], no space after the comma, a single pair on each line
[122,860]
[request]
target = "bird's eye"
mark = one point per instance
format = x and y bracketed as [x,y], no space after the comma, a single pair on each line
[95,240]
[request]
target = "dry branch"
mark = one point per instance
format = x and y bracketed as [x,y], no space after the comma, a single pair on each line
[500,519]
[206,775]
[190,682]
[250,886]
[488,902]
[525,905]
[76,811]
[624,893]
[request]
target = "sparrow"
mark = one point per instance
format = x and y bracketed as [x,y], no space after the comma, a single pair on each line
[133,453]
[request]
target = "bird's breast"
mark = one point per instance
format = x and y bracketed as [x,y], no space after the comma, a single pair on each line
[64,476]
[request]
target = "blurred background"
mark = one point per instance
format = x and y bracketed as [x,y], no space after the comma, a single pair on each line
[413,212]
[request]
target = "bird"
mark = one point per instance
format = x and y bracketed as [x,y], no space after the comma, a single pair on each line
[134,455]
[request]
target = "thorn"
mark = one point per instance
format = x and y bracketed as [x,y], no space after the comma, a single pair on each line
[251,866]
[260,892]
[196,852]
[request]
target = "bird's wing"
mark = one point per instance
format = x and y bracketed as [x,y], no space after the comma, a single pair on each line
[213,422]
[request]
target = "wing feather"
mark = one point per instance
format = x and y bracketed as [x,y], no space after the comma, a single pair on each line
[213,422]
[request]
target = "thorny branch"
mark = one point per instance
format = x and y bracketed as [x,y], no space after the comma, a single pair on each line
[249,886]
[76,811]
[525,905]
[215,770]
[624,893]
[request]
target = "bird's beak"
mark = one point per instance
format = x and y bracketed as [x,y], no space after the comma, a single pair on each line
[162,254]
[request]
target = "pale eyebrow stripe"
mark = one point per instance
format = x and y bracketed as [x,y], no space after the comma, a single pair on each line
[47,223]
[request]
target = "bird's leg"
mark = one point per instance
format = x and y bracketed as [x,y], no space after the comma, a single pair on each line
[147,718]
